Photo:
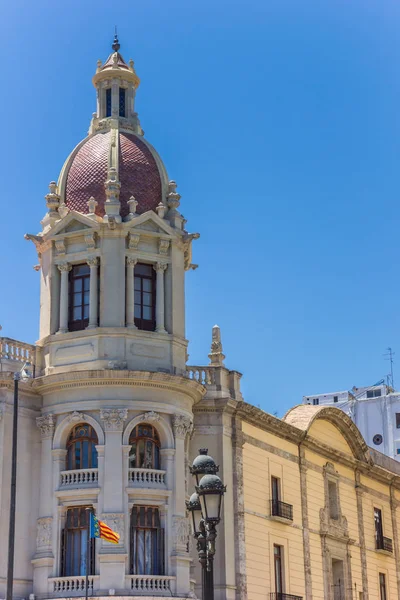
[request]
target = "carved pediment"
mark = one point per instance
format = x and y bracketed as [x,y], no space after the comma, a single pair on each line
[72,222]
[149,221]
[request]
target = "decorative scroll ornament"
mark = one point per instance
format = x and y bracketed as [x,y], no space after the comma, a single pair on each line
[151,416]
[182,425]
[46,425]
[76,416]
[64,267]
[116,522]
[114,418]
[44,532]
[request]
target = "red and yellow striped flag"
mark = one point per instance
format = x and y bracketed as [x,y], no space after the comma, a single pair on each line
[101,530]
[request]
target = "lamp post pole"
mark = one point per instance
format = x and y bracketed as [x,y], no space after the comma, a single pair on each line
[11,529]
[205,508]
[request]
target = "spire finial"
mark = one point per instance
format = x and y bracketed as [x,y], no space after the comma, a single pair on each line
[216,355]
[116,45]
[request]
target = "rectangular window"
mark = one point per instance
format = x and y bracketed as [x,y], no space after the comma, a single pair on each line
[398,451]
[398,420]
[122,96]
[278,569]
[108,102]
[333,500]
[335,399]
[378,528]
[382,586]
[74,544]
[147,542]
[79,290]
[374,393]
[145,297]
[315,401]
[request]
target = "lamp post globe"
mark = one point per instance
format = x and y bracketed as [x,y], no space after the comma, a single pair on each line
[210,491]
[194,508]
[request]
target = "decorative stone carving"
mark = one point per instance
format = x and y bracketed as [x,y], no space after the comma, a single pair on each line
[46,425]
[133,241]
[44,532]
[90,240]
[132,203]
[76,416]
[60,247]
[64,267]
[180,527]
[151,416]
[93,261]
[117,523]
[118,365]
[216,355]
[182,425]
[161,210]
[92,208]
[173,197]
[52,199]
[63,210]
[163,246]
[160,266]
[131,261]
[114,418]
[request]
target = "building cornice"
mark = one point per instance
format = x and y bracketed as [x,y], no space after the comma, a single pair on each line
[77,379]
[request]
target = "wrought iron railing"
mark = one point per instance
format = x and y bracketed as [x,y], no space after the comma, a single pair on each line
[384,543]
[282,596]
[281,509]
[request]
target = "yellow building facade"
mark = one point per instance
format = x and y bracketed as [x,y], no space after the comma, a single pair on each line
[320,509]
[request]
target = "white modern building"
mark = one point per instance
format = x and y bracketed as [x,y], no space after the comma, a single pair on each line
[375,410]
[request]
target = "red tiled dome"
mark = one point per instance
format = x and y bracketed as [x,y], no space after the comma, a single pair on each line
[138,174]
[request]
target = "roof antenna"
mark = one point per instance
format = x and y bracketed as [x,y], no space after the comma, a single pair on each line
[116,45]
[389,356]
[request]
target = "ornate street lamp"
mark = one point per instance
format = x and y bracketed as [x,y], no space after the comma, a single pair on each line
[205,509]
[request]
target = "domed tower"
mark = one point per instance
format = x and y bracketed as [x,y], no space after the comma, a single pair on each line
[114,250]
[116,400]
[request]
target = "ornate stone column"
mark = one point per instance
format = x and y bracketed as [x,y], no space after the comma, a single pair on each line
[44,559]
[93,294]
[181,559]
[160,318]
[304,519]
[130,291]
[112,561]
[64,269]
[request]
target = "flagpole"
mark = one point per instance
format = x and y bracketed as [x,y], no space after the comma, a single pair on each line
[89,513]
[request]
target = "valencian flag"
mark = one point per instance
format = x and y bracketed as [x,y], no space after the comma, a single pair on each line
[98,529]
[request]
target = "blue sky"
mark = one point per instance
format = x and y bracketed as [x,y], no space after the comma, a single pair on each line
[280,122]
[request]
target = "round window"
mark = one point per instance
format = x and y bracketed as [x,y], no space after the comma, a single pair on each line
[377,439]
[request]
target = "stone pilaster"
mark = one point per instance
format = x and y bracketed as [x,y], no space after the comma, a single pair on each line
[130,291]
[93,294]
[304,519]
[64,269]
[361,534]
[394,504]
[160,301]
[238,499]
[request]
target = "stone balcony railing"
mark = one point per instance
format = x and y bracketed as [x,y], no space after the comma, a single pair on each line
[79,478]
[148,478]
[73,586]
[203,375]
[14,354]
[150,585]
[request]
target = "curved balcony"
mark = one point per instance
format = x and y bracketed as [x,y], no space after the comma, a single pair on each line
[147,478]
[150,585]
[79,478]
[72,586]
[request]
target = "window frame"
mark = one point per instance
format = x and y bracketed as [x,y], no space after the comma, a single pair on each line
[156,533]
[278,569]
[82,323]
[397,420]
[378,526]
[382,586]
[69,545]
[122,102]
[108,102]
[71,446]
[140,322]
[154,438]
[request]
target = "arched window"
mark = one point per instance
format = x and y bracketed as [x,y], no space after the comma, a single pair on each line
[81,448]
[147,541]
[145,450]
[74,544]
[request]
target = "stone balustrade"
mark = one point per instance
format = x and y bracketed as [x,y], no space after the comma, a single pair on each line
[12,351]
[79,478]
[151,584]
[146,478]
[73,586]
[204,375]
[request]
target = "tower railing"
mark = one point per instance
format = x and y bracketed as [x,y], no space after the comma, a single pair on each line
[13,351]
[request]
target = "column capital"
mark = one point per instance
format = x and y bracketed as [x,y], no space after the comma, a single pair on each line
[182,425]
[131,261]
[113,418]
[64,267]
[46,425]
[160,267]
[93,261]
